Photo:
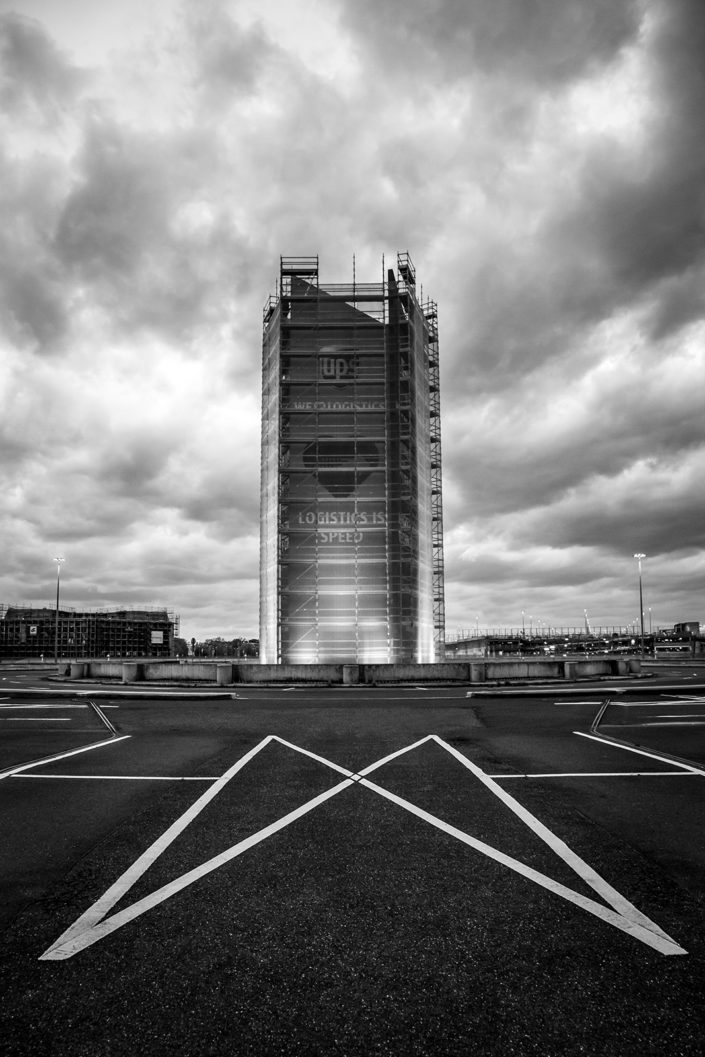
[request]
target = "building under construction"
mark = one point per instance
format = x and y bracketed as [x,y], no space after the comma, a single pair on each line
[351,555]
[39,631]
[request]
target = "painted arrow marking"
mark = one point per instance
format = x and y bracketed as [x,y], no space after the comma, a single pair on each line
[97,922]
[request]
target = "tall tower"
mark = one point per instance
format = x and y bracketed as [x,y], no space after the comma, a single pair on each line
[351,545]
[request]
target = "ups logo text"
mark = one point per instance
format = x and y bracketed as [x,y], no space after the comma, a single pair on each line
[336,368]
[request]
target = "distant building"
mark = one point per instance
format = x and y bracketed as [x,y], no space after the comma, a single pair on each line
[558,645]
[688,627]
[31,631]
[351,551]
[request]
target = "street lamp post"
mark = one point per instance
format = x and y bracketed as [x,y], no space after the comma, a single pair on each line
[641,602]
[59,562]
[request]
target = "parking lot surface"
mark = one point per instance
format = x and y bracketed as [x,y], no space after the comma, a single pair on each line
[353,871]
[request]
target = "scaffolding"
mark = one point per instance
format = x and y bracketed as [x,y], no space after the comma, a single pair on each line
[31,630]
[351,557]
[430,310]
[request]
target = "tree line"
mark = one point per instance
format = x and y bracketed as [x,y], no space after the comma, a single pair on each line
[218,647]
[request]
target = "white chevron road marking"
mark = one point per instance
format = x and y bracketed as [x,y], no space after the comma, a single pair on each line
[97,922]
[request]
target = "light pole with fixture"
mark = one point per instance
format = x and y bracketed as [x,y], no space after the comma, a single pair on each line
[641,602]
[59,562]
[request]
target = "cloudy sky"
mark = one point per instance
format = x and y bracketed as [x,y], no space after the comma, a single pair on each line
[542,161]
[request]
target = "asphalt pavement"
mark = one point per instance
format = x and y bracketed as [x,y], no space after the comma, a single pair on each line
[404,871]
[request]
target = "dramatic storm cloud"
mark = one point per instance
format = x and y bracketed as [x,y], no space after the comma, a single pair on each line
[544,165]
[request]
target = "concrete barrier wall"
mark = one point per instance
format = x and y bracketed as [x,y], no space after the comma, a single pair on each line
[597,666]
[132,672]
[173,672]
[409,673]
[154,671]
[290,673]
[488,669]
[491,669]
[523,669]
[104,669]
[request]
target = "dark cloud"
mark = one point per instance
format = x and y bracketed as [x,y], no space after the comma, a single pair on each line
[622,528]
[678,43]
[228,58]
[32,297]
[680,300]
[143,231]
[133,467]
[540,441]
[35,78]
[654,505]
[541,41]
[33,308]
[651,229]
[621,223]
[639,209]
[644,227]
[117,208]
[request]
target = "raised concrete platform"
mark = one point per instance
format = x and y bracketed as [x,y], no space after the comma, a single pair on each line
[486,670]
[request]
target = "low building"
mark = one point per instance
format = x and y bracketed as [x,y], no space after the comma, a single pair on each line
[38,631]
[687,628]
[550,645]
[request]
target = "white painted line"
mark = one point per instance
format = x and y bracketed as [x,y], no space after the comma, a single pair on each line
[393,755]
[95,913]
[354,776]
[344,770]
[76,940]
[35,719]
[60,756]
[43,708]
[645,930]
[600,774]
[176,694]
[605,890]
[94,924]
[313,756]
[122,777]
[641,752]
[102,717]
[545,690]
[655,704]
[673,723]
[681,715]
